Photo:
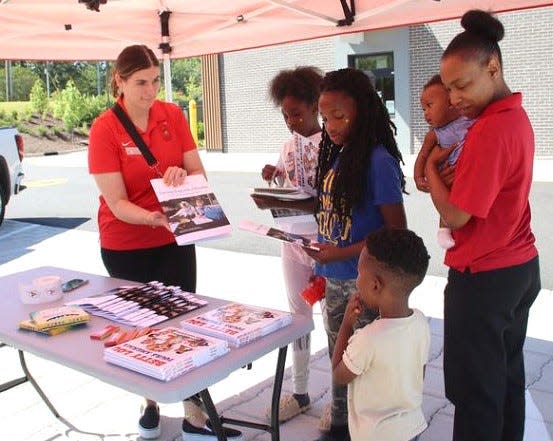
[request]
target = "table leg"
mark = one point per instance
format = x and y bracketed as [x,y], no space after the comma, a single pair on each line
[31,379]
[274,427]
[213,415]
[277,389]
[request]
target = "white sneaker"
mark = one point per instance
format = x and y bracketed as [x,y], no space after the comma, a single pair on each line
[148,424]
[324,421]
[288,408]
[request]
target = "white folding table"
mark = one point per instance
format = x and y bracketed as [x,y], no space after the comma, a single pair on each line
[76,350]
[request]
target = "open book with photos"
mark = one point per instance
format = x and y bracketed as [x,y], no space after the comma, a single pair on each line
[237,323]
[141,305]
[166,353]
[193,211]
[277,233]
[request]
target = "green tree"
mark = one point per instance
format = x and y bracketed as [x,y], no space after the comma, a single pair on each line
[39,98]
[186,77]
[2,84]
[73,106]
[86,76]
[23,81]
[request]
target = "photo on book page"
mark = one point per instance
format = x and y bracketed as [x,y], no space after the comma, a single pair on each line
[278,234]
[193,211]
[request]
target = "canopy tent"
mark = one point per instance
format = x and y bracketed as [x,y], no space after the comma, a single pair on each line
[67,30]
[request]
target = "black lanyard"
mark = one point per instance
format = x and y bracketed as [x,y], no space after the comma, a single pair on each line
[131,130]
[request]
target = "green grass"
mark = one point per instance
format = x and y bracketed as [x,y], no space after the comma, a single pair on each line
[9,106]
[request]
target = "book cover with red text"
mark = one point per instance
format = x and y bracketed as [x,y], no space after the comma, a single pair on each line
[237,323]
[166,353]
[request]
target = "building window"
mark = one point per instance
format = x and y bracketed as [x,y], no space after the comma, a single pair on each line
[379,68]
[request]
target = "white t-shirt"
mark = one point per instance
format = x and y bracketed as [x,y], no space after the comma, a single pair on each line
[298,162]
[384,401]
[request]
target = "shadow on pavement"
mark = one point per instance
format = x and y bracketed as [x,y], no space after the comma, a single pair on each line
[18,236]
[58,222]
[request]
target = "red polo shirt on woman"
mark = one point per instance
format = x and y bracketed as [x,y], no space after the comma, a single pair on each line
[492,183]
[111,149]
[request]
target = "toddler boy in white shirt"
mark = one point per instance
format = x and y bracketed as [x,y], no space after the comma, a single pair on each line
[383,362]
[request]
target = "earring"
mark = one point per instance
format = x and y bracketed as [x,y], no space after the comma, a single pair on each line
[346,121]
[300,120]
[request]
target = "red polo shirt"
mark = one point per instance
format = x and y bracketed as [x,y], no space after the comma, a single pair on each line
[111,149]
[492,184]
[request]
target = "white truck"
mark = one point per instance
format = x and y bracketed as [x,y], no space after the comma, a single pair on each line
[11,171]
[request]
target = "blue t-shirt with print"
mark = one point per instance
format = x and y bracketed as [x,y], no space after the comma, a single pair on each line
[383,187]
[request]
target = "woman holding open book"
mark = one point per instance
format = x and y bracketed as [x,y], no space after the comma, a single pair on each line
[296,93]
[135,239]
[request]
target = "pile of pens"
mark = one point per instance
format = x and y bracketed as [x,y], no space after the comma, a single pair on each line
[141,305]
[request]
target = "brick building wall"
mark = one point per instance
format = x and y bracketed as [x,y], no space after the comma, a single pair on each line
[526,51]
[250,120]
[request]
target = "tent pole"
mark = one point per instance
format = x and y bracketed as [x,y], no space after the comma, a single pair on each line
[166,48]
[167,83]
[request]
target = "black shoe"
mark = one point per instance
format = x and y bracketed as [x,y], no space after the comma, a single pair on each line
[148,424]
[193,433]
[336,433]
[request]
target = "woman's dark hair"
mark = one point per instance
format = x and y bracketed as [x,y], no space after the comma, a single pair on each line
[302,83]
[130,60]
[371,128]
[479,39]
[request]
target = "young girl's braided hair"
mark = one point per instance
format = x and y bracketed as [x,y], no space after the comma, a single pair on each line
[372,127]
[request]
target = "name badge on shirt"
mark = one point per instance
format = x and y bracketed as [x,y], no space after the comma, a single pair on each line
[132,150]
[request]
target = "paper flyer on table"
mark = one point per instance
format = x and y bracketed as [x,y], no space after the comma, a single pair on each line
[193,211]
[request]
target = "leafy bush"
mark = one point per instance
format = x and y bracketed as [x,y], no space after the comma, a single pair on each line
[39,98]
[43,131]
[201,130]
[75,108]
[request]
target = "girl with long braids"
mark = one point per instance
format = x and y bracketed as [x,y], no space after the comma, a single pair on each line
[360,189]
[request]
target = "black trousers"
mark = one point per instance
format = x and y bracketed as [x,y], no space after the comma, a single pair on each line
[486,315]
[170,264]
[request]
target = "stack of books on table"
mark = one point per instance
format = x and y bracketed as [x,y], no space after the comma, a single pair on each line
[237,323]
[166,353]
[53,321]
[141,305]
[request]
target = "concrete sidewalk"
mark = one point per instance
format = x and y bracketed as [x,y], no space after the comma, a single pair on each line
[96,411]
[93,410]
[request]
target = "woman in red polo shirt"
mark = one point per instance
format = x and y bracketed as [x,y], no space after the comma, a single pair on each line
[494,270]
[136,242]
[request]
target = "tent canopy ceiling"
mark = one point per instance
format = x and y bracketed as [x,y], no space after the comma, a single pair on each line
[67,30]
